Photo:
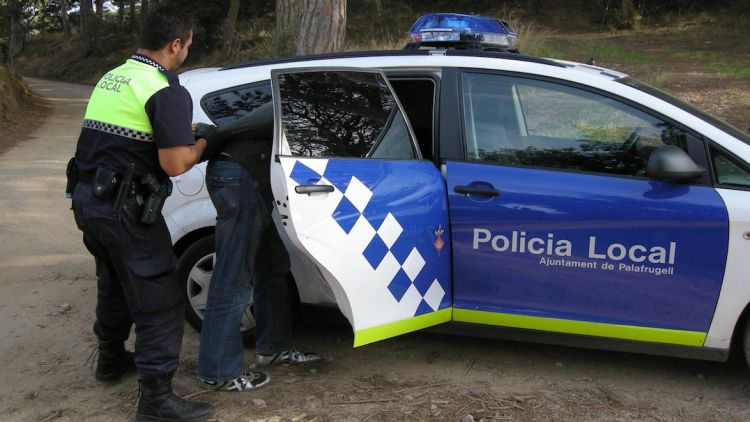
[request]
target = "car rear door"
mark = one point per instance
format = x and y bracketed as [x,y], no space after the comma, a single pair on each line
[557,228]
[357,198]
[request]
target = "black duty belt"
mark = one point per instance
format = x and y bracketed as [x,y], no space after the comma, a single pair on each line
[87,177]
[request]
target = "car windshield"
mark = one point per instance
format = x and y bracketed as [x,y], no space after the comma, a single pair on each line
[469,23]
[726,127]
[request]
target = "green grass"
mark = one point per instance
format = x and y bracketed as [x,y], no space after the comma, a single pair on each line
[713,56]
[731,70]
[661,79]
[613,53]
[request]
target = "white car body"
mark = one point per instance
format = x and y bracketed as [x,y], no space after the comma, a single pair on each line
[189,209]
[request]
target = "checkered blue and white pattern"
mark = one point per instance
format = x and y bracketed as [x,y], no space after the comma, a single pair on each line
[143,59]
[118,130]
[387,245]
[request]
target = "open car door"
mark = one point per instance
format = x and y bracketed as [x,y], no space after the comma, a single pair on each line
[357,198]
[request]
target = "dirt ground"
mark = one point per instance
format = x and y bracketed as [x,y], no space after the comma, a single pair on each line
[47,310]
[706,67]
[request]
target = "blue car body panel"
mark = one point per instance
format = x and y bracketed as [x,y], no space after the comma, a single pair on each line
[683,229]
[413,193]
[380,233]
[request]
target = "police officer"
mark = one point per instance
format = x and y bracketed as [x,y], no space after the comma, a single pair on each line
[137,132]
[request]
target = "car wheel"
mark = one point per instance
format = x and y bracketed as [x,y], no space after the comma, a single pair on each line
[194,269]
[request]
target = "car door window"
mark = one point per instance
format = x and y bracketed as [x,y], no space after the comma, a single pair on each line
[521,121]
[231,104]
[342,114]
[728,172]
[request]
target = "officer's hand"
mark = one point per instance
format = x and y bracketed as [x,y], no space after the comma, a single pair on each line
[205,131]
[214,142]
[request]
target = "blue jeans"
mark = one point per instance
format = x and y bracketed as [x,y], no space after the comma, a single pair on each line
[250,256]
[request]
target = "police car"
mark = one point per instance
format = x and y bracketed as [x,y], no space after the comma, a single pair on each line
[491,193]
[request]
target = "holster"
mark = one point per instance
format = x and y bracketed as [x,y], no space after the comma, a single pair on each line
[71,172]
[154,202]
[104,182]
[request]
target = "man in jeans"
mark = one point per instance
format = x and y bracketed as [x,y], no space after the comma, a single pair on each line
[249,256]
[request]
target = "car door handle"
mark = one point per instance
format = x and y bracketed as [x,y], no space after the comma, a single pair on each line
[471,190]
[308,189]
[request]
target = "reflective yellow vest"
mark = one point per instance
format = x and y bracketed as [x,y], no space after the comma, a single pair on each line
[120,97]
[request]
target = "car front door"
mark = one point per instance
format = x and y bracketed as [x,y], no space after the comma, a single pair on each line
[357,198]
[557,228]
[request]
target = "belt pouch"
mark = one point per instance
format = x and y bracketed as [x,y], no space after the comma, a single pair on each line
[104,182]
[71,172]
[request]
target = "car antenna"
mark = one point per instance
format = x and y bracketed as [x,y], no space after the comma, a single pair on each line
[592,60]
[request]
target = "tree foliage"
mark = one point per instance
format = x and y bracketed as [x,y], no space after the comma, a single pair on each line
[304,26]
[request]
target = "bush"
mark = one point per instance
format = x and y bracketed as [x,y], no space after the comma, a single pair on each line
[13,93]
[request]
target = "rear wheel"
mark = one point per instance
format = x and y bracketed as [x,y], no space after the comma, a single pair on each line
[194,269]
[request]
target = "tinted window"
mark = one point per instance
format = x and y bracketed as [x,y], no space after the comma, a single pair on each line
[228,105]
[520,121]
[726,127]
[417,97]
[728,172]
[342,114]
[391,144]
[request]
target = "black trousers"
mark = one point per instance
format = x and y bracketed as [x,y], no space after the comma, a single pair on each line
[136,280]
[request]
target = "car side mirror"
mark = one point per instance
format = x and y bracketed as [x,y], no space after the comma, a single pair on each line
[672,164]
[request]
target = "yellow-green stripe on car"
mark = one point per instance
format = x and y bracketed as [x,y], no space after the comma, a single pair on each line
[625,332]
[373,334]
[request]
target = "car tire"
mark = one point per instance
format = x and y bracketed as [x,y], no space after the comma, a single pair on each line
[194,268]
[746,340]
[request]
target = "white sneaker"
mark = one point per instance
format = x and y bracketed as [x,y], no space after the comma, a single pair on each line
[287,356]
[246,381]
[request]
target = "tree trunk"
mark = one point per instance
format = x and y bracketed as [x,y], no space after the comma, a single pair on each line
[287,26]
[43,17]
[628,16]
[120,13]
[87,13]
[88,27]
[133,22]
[15,25]
[144,10]
[64,18]
[322,27]
[288,16]
[230,24]
[100,9]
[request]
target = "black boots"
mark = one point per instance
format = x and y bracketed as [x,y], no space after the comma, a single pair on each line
[114,361]
[157,402]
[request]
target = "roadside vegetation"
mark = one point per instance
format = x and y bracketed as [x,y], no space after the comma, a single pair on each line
[695,49]
[19,108]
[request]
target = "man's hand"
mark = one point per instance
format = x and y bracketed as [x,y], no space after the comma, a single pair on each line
[214,141]
[177,160]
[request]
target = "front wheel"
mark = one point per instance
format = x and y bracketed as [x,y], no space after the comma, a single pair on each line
[194,269]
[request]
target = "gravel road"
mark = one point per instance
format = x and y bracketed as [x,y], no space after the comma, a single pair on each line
[46,314]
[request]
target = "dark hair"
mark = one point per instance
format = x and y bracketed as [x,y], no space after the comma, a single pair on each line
[163,25]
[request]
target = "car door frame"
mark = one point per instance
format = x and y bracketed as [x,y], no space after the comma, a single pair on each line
[453,147]
[281,151]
